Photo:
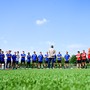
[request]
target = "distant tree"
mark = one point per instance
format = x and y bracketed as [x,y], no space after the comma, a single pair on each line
[73,59]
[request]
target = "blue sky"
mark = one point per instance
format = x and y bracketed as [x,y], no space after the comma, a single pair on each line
[36,24]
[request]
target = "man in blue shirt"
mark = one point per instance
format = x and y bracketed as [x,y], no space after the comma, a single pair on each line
[59,59]
[14,56]
[40,60]
[46,60]
[28,60]
[34,59]
[0,56]
[23,55]
[67,57]
[9,56]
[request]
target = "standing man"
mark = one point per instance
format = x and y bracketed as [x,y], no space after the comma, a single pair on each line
[78,56]
[59,57]
[67,57]
[51,54]
[23,55]
[84,59]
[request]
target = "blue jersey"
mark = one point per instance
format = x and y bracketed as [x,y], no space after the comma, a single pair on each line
[34,57]
[2,57]
[59,56]
[46,57]
[9,56]
[14,57]
[23,56]
[28,58]
[40,58]
[67,56]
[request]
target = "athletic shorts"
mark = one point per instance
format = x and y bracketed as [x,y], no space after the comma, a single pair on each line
[66,61]
[2,61]
[22,61]
[40,62]
[28,62]
[8,61]
[59,61]
[46,61]
[33,61]
[78,61]
[16,62]
[84,60]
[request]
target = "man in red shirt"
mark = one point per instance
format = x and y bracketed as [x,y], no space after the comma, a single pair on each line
[78,56]
[83,56]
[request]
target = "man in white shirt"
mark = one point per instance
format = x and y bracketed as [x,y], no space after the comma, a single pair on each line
[51,54]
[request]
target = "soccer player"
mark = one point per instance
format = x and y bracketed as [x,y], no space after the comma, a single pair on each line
[14,60]
[66,57]
[78,56]
[83,56]
[17,59]
[28,60]
[40,60]
[3,58]
[59,58]
[46,60]
[34,59]
[9,56]
[51,55]
[23,55]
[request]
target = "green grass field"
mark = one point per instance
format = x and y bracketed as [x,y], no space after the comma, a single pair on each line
[45,79]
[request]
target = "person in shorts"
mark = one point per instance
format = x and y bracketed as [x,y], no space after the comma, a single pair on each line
[67,58]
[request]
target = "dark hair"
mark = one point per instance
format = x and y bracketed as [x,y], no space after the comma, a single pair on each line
[52,46]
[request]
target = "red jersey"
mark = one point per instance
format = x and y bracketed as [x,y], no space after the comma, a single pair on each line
[88,56]
[83,56]
[78,56]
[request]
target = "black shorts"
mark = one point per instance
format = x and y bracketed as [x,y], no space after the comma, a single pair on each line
[89,60]
[79,61]
[8,61]
[84,60]
[33,61]
[66,61]
[16,62]
[22,61]
[40,62]
[46,61]
[59,61]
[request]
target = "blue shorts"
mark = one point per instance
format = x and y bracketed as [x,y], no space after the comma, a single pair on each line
[16,62]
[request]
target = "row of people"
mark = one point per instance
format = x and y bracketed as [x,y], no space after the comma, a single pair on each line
[13,60]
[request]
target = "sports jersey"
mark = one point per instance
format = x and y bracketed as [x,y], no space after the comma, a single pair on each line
[28,58]
[34,57]
[14,57]
[23,56]
[67,56]
[83,56]
[59,57]
[46,57]
[40,58]
[9,57]
[78,56]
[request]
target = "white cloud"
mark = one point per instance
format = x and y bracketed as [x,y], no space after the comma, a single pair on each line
[41,22]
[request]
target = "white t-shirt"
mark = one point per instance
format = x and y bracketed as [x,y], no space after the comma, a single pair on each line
[51,53]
